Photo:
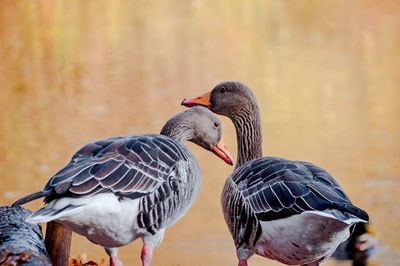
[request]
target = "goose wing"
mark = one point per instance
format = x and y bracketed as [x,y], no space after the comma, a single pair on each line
[276,188]
[127,166]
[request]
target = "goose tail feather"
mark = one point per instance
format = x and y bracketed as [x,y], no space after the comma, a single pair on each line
[29,198]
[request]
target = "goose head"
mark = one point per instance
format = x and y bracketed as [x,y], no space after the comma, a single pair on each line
[227,98]
[200,126]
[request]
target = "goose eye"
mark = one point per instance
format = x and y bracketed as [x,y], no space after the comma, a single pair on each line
[216,124]
[222,90]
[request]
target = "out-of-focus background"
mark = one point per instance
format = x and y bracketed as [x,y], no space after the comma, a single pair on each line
[326,75]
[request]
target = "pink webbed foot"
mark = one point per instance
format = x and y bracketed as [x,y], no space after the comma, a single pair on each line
[242,263]
[115,261]
[147,253]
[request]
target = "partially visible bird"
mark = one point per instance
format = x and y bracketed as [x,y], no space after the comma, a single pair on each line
[290,211]
[359,247]
[116,190]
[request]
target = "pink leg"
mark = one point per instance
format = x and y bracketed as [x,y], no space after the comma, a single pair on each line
[114,261]
[147,253]
[242,263]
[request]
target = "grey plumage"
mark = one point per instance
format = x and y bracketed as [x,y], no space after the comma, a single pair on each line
[290,211]
[272,188]
[126,166]
[147,166]
[150,167]
[151,179]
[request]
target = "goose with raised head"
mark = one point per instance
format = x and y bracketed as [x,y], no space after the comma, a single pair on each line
[116,190]
[290,211]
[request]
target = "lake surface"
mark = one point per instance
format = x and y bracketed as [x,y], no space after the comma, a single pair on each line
[326,75]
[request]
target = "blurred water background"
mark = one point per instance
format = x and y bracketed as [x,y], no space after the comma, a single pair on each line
[326,75]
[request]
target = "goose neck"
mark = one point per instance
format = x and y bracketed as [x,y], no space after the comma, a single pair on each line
[248,133]
[178,129]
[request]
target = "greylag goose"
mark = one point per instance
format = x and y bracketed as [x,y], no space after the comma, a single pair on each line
[116,190]
[290,211]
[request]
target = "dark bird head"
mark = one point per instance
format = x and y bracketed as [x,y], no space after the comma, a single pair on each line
[228,98]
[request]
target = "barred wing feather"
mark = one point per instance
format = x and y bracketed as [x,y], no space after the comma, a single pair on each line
[276,188]
[128,166]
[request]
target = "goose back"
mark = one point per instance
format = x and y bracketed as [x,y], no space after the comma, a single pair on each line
[155,168]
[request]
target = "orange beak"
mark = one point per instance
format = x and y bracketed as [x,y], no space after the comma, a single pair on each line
[222,151]
[203,100]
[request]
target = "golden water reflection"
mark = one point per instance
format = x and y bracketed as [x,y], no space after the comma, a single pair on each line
[326,74]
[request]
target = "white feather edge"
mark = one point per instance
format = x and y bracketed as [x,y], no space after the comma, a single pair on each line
[348,221]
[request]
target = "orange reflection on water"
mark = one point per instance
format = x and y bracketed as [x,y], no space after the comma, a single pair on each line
[326,75]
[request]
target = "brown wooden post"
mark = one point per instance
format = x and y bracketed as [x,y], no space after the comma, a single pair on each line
[58,243]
